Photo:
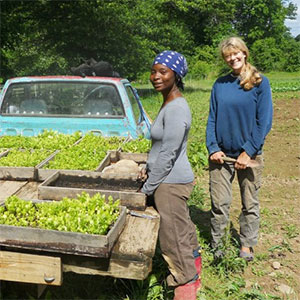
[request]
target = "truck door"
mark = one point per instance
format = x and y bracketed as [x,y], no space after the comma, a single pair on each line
[142,121]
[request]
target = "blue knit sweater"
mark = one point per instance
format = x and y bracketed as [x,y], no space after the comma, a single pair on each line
[238,120]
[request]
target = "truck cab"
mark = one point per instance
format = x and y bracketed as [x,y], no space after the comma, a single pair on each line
[105,105]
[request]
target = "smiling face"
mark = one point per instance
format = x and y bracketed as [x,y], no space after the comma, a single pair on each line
[162,78]
[235,59]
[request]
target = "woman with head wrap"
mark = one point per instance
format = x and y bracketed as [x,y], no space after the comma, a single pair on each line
[170,177]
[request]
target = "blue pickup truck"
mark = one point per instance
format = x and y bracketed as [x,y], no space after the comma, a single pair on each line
[105,105]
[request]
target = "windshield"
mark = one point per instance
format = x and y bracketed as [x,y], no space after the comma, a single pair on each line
[62,98]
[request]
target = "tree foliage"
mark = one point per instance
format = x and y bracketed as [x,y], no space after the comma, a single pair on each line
[49,37]
[260,19]
[267,56]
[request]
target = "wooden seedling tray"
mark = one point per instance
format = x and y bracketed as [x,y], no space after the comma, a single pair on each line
[61,241]
[19,173]
[114,156]
[43,174]
[91,183]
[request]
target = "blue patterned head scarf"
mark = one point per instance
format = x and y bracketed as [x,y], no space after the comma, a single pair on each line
[173,60]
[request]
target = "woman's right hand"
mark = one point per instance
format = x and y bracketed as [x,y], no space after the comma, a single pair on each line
[142,176]
[217,157]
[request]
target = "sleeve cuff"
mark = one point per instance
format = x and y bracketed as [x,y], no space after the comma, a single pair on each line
[249,149]
[213,148]
[145,191]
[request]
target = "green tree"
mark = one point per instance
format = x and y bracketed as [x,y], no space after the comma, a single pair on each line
[50,37]
[292,61]
[26,59]
[259,19]
[126,33]
[208,21]
[267,56]
[203,61]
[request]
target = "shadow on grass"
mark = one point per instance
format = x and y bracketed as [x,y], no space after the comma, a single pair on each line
[201,219]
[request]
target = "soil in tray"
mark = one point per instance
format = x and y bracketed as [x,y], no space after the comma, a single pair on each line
[97,183]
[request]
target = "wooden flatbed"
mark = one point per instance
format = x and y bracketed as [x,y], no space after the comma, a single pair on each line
[131,256]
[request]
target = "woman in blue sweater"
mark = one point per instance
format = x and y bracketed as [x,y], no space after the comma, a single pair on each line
[239,119]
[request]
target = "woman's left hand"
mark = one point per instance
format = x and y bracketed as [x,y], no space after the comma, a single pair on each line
[242,161]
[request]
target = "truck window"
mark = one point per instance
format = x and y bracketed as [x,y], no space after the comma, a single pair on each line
[61,98]
[134,104]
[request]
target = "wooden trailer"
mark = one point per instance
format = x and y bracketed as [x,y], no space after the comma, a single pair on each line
[130,257]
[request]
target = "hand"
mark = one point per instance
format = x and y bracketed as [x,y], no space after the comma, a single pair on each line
[242,161]
[142,176]
[217,157]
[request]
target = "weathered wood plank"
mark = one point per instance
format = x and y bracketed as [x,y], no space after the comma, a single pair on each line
[9,187]
[30,268]
[48,190]
[17,173]
[139,237]
[29,191]
[131,257]
[117,268]
[139,158]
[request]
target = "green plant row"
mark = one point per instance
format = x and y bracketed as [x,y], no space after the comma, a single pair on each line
[24,157]
[86,155]
[140,145]
[285,86]
[48,139]
[84,214]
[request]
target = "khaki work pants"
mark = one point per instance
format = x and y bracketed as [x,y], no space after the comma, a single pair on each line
[249,179]
[177,232]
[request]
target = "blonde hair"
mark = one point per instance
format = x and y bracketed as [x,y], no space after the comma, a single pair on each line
[250,77]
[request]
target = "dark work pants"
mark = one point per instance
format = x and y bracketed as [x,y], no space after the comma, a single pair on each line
[249,179]
[177,233]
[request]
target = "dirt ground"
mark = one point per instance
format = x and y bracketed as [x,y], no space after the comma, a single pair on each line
[280,207]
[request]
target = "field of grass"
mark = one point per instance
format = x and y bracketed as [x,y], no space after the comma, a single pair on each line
[223,280]
[228,279]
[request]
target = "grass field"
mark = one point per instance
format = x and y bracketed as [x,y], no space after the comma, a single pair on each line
[229,279]
[232,278]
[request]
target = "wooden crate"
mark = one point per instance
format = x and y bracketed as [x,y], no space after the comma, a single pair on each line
[48,190]
[61,241]
[115,156]
[19,173]
[43,174]
[131,256]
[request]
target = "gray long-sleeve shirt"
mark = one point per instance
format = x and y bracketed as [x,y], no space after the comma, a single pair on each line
[167,161]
